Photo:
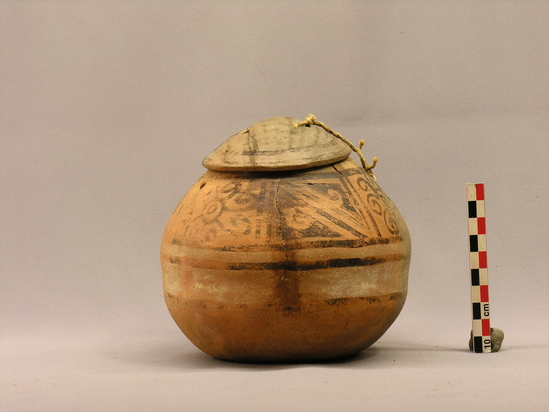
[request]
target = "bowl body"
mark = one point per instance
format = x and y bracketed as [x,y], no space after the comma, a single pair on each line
[285,266]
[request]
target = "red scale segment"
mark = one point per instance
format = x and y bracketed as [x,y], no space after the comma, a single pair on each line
[481,225]
[486,329]
[484,293]
[482,260]
[480,191]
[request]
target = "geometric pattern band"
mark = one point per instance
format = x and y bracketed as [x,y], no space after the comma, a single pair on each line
[478,264]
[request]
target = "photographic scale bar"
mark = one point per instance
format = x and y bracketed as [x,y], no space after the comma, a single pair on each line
[478,263]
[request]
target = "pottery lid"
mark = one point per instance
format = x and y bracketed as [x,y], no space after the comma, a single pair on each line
[275,144]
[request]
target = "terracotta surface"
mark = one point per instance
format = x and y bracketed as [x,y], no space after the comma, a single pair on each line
[275,144]
[285,266]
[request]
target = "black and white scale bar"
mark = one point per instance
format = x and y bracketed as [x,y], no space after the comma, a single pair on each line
[478,264]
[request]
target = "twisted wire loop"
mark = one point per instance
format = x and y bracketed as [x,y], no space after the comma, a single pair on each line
[311,119]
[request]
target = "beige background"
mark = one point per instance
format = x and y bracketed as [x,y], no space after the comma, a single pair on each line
[107,109]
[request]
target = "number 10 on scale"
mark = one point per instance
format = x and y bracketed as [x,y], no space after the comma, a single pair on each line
[478,264]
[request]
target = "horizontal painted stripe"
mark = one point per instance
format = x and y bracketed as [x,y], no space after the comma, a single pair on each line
[289,265]
[298,255]
[178,251]
[293,245]
[293,266]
